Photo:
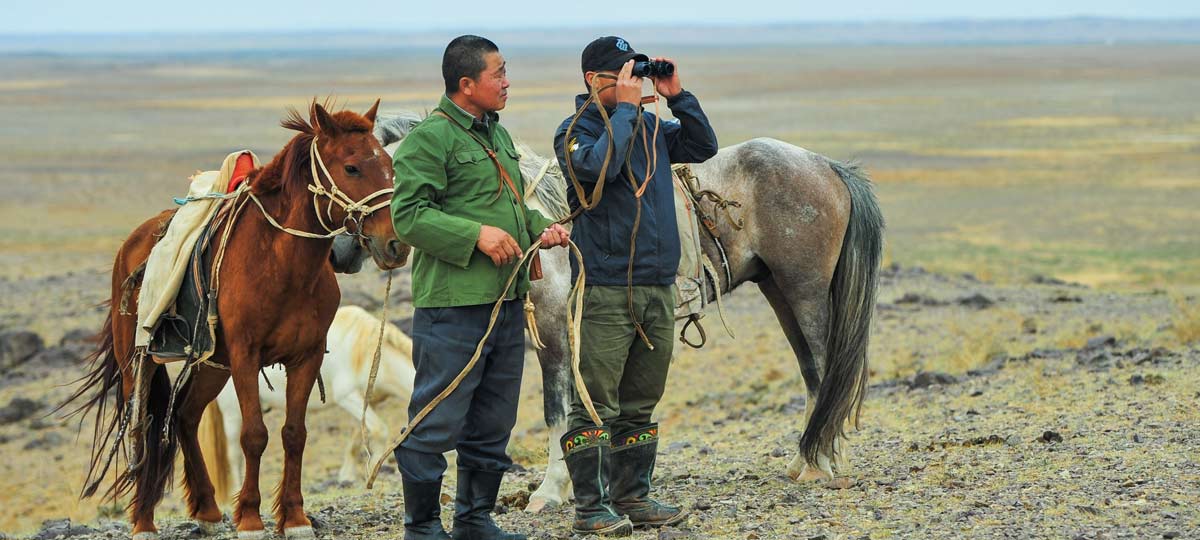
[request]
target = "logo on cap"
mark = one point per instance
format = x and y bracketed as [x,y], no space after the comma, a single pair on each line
[622,45]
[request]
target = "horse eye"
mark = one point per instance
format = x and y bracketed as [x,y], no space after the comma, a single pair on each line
[351,170]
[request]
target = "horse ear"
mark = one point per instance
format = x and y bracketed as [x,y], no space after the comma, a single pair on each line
[370,114]
[322,120]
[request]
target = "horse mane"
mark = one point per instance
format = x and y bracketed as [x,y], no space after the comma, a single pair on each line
[289,169]
[551,191]
[390,127]
[365,328]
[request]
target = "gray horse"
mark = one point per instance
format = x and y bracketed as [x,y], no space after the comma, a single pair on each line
[812,241]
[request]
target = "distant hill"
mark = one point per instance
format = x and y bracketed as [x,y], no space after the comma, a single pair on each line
[941,32]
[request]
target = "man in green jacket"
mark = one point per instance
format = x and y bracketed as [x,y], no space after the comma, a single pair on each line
[459,202]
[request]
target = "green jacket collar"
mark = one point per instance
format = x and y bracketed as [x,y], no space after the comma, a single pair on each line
[462,117]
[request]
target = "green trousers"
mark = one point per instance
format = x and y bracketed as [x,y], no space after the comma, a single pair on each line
[625,378]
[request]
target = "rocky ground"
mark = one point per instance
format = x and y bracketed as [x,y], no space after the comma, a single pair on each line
[1032,410]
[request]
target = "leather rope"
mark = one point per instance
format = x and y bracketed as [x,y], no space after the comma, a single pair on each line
[574,317]
[383,321]
[586,204]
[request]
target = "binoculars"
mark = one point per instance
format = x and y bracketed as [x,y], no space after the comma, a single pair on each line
[653,68]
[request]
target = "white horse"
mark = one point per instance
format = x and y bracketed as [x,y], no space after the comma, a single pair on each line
[347,366]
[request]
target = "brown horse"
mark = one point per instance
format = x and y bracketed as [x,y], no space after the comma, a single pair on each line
[277,298]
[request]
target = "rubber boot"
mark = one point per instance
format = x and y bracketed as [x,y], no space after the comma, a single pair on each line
[473,507]
[586,452]
[422,511]
[633,456]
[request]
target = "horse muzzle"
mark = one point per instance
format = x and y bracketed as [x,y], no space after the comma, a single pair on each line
[388,253]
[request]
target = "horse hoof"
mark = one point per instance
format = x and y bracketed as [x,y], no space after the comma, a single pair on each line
[252,535]
[303,532]
[537,505]
[145,535]
[811,474]
[208,527]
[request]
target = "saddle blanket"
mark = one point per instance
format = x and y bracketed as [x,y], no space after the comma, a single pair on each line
[691,287]
[169,259]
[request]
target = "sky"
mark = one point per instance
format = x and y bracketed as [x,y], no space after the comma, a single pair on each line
[167,16]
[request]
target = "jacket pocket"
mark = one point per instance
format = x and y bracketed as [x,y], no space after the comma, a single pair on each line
[473,176]
[464,157]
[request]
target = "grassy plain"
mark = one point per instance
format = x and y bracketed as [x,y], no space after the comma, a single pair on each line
[1081,163]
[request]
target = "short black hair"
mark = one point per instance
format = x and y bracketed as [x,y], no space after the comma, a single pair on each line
[464,58]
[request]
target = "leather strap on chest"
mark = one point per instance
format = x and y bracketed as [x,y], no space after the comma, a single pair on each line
[535,267]
[504,178]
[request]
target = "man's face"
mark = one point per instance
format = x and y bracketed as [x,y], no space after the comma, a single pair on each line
[489,92]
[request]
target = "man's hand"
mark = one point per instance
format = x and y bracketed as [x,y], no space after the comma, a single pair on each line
[669,87]
[629,88]
[555,236]
[498,244]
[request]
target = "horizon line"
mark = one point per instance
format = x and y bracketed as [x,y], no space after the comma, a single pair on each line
[578,26]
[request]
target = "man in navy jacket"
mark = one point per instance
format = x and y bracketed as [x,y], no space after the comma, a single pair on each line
[628,316]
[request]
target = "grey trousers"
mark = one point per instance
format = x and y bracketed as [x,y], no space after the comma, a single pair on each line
[478,417]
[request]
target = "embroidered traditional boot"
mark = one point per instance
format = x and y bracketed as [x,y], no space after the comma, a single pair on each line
[633,456]
[474,504]
[422,511]
[586,452]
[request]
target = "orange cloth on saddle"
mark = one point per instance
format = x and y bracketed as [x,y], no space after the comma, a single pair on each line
[245,164]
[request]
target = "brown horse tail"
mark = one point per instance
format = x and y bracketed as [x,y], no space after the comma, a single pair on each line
[852,304]
[102,380]
[156,469]
[215,448]
[155,457]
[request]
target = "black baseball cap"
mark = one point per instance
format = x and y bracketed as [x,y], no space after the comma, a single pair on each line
[608,53]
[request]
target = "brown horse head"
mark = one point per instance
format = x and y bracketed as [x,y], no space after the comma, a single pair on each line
[355,169]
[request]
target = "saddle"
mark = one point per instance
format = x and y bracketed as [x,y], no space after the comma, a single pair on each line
[696,280]
[182,329]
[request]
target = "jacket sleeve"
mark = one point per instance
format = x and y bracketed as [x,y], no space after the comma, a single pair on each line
[691,139]
[588,150]
[420,165]
[536,223]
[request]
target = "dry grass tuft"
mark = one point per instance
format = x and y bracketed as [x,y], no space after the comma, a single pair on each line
[977,342]
[1186,322]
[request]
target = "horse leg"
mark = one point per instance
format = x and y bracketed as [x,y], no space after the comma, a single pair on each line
[145,438]
[377,431]
[289,505]
[806,335]
[246,513]
[555,488]
[141,508]
[232,413]
[206,383]
[349,471]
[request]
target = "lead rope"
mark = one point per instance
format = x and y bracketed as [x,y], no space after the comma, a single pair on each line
[387,293]
[573,317]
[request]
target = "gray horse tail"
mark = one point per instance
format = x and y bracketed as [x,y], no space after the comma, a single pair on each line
[852,303]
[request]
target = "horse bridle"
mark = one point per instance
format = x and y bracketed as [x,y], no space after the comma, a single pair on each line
[356,211]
